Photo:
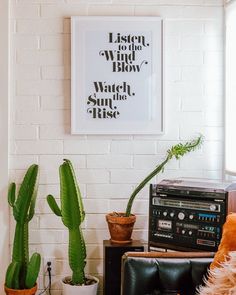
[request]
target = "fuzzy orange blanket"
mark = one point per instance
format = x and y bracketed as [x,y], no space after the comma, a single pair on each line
[222,274]
[221,280]
[228,241]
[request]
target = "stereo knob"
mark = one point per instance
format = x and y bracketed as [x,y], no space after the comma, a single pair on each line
[191,216]
[190,232]
[165,213]
[172,214]
[212,207]
[181,215]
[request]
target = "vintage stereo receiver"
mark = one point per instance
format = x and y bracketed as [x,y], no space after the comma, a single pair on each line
[188,214]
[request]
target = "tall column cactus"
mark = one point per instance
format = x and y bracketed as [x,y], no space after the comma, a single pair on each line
[72,213]
[22,273]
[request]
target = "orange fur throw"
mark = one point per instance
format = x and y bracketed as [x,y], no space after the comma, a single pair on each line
[221,280]
[228,241]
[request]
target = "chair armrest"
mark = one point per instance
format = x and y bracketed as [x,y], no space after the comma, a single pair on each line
[173,254]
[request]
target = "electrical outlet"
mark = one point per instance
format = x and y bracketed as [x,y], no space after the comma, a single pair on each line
[49,269]
[53,265]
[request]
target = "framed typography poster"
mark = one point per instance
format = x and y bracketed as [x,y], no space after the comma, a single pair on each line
[117,79]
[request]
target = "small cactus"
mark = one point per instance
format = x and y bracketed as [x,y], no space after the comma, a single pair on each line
[22,273]
[72,214]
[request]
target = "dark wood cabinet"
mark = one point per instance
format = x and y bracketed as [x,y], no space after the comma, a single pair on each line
[112,264]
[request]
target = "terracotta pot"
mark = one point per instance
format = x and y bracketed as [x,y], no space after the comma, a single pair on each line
[31,291]
[81,290]
[120,227]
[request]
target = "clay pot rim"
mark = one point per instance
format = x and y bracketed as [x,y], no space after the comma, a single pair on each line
[120,219]
[32,290]
[87,276]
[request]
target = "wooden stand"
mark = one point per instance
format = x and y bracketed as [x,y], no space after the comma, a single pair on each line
[112,264]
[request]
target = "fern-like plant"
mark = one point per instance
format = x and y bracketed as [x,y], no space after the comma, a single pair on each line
[22,272]
[177,151]
[72,214]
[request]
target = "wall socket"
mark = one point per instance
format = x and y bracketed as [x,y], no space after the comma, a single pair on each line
[53,265]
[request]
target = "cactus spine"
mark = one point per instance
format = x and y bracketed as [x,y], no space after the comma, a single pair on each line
[72,213]
[22,272]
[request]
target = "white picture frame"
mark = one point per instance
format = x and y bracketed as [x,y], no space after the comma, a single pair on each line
[116,75]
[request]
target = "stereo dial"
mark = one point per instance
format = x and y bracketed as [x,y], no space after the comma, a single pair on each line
[191,216]
[165,213]
[213,207]
[181,215]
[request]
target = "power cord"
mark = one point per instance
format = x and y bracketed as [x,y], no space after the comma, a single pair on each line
[49,276]
[48,288]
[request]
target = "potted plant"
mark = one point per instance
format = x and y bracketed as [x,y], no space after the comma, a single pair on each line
[22,272]
[72,214]
[121,224]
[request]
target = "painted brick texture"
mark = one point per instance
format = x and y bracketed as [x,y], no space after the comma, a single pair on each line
[109,166]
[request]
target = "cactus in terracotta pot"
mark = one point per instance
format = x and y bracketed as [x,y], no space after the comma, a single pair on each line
[22,272]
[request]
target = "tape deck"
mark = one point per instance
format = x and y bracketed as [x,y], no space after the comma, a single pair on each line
[188,214]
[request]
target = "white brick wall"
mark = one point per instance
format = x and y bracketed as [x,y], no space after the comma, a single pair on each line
[108,167]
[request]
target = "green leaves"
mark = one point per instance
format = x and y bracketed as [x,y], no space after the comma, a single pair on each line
[181,149]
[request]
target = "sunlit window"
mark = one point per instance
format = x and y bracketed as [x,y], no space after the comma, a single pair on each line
[230,89]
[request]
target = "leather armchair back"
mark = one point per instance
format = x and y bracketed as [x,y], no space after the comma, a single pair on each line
[157,273]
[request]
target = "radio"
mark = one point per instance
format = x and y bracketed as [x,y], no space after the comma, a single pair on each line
[188,214]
